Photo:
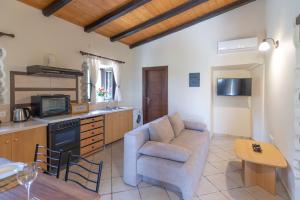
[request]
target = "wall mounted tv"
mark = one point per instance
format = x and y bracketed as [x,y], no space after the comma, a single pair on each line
[234,86]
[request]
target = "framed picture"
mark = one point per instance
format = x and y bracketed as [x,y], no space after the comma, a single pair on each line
[194,79]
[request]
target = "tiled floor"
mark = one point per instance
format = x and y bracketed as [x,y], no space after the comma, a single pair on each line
[221,178]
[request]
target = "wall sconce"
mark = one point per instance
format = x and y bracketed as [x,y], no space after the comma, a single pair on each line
[266,44]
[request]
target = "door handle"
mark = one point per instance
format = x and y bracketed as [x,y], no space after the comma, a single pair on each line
[148,100]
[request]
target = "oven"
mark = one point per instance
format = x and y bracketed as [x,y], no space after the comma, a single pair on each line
[64,136]
[51,105]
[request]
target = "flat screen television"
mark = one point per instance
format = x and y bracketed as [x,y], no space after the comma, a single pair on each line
[234,86]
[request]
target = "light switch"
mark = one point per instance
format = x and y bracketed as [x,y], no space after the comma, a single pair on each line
[297,142]
[2,114]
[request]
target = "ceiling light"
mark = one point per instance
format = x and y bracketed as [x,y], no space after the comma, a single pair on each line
[267,43]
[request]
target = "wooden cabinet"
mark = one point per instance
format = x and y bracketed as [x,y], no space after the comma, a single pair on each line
[20,146]
[91,135]
[117,124]
[5,146]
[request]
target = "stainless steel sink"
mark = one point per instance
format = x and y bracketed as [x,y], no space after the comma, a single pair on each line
[113,108]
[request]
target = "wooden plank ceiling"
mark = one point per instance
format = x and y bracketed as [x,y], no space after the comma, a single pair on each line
[135,22]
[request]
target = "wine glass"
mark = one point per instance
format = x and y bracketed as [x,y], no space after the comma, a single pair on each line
[27,176]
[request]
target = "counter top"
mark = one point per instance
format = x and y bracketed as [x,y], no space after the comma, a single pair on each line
[12,127]
[94,113]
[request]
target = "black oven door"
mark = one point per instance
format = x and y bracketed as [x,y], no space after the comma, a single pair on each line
[65,137]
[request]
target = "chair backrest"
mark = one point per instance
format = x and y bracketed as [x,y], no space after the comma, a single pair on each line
[48,160]
[76,160]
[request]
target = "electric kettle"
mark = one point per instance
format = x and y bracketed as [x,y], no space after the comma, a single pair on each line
[21,114]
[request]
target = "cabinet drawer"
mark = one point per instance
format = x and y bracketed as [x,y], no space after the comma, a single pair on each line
[91,133]
[94,125]
[91,120]
[91,140]
[90,148]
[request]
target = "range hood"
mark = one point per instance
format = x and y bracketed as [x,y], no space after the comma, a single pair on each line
[52,71]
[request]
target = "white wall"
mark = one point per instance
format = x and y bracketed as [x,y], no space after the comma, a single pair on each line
[231,115]
[258,103]
[195,50]
[280,71]
[37,36]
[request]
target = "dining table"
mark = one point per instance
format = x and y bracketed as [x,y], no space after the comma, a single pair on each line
[47,187]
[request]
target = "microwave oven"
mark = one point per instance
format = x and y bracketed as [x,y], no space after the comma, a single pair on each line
[51,105]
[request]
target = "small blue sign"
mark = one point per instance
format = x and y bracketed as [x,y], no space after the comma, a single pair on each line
[194,80]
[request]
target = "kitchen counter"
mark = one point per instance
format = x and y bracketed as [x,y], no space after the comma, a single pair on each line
[11,127]
[94,113]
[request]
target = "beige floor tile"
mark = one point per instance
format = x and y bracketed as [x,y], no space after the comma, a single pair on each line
[205,187]
[119,186]
[106,197]
[238,194]
[227,165]
[210,170]
[127,195]
[213,157]
[236,176]
[259,193]
[213,196]
[222,182]
[215,149]
[154,193]
[105,187]
[226,155]
[117,170]
[280,189]
[174,195]
[106,173]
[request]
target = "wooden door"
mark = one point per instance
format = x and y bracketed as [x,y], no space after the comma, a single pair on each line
[23,143]
[155,93]
[5,146]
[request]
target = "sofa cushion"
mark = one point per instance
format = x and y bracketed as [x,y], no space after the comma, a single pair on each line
[190,139]
[194,125]
[165,150]
[176,123]
[161,130]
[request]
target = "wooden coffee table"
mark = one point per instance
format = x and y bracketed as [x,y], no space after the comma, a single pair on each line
[260,168]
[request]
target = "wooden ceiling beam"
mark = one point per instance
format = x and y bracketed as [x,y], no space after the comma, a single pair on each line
[212,14]
[55,6]
[115,14]
[171,13]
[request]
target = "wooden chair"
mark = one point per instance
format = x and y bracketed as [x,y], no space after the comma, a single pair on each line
[48,160]
[76,160]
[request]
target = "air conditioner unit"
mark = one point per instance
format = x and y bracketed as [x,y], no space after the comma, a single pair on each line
[231,46]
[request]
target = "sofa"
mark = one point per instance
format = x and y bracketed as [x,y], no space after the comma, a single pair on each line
[169,156]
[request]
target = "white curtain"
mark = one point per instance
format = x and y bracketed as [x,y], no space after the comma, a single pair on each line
[95,77]
[116,71]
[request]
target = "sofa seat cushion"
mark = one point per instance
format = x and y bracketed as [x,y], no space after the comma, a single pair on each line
[177,123]
[161,130]
[166,151]
[160,169]
[191,139]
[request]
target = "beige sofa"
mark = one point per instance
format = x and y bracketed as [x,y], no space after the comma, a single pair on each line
[177,161]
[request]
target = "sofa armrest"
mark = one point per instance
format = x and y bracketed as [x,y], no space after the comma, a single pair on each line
[194,125]
[133,141]
[165,151]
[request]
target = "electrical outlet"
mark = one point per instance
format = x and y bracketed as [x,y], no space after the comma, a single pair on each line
[297,143]
[2,114]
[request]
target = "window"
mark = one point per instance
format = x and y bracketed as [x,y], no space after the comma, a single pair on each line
[107,83]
